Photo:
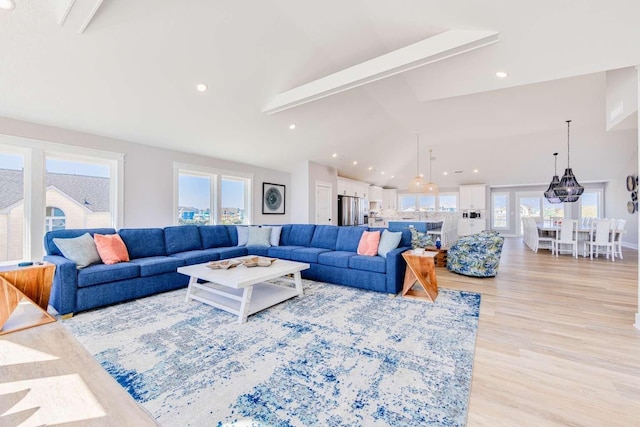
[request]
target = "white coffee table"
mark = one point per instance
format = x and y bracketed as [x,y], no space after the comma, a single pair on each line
[242,290]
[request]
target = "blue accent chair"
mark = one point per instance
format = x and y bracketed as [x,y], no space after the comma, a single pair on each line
[477,255]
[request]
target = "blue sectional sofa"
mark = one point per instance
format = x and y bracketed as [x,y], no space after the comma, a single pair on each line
[156,253]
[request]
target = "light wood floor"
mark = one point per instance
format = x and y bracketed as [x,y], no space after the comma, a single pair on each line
[556,344]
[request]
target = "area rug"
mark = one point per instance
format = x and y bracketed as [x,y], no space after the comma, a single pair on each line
[336,356]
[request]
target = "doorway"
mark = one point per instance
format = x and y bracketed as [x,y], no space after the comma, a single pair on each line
[324,206]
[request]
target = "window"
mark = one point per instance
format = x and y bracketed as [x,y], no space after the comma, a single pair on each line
[208,196]
[552,210]
[448,202]
[55,219]
[80,190]
[591,204]
[427,203]
[500,210]
[233,200]
[444,202]
[11,206]
[408,203]
[530,206]
[51,186]
[194,198]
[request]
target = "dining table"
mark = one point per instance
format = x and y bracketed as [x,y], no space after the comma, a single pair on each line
[550,228]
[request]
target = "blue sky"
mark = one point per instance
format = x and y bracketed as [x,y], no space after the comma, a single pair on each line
[194,192]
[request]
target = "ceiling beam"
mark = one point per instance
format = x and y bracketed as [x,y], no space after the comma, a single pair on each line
[77,13]
[427,51]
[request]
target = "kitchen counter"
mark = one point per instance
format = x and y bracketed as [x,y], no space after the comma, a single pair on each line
[422,226]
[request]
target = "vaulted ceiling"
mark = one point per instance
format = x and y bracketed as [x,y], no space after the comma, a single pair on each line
[128,69]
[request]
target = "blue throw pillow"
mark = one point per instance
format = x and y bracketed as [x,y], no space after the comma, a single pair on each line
[388,242]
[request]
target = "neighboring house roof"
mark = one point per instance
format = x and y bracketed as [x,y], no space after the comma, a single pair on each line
[89,191]
[11,187]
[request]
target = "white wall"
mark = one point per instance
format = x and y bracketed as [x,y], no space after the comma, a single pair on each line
[622,95]
[617,196]
[148,173]
[300,193]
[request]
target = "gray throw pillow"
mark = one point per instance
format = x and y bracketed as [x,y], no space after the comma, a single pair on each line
[259,236]
[243,235]
[81,250]
[275,235]
[388,242]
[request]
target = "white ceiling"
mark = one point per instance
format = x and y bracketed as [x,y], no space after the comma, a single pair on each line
[132,73]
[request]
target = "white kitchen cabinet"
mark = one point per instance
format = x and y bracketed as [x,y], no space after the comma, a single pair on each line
[360,189]
[349,187]
[342,187]
[473,197]
[390,199]
[375,194]
[467,226]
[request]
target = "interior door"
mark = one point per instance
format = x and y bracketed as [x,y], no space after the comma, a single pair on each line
[323,204]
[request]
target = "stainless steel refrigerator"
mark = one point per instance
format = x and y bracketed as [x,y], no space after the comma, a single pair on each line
[351,210]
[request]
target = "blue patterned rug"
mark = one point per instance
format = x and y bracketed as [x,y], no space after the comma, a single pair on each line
[337,356]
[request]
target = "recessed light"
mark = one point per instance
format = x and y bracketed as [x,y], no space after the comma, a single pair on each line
[475,171]
[292,126]
[393,176]
[445,173]
[7,4]
[355,162]
[201,87]
[382,173]
[334,155]
[370,168]
[501,75]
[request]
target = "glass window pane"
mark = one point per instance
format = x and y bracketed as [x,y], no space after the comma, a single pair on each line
[552,210]
[408,203]
[11,207]
[427,203]
[589,204]
[194,199]
[448,203]
[530,206]
[79,191]
[232,198]
[500,211]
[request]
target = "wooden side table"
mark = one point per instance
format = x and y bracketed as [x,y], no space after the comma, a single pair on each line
[18,311]
[421,271]
[33,281]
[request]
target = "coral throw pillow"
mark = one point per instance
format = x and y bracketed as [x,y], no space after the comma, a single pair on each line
[111,248]
[369,243]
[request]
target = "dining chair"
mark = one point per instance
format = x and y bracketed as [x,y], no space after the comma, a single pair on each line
[617,239]
[540,240]
[602,236]
[566,235]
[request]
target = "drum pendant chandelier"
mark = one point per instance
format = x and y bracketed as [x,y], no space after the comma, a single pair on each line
[550,194]
[569,190]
